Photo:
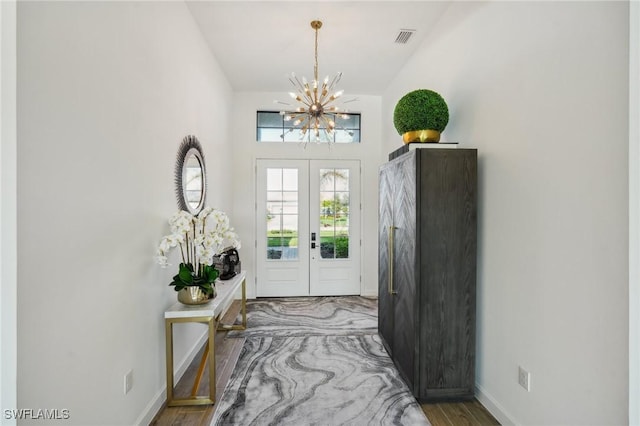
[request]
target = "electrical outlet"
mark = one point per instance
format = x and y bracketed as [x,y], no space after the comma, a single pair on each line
[524,378]
[128,381]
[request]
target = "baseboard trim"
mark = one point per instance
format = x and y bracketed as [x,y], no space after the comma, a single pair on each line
[158,400]
[494,407]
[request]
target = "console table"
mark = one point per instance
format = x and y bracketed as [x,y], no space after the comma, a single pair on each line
[210,313]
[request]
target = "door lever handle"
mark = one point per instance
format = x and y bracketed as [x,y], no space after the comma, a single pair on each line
[313,245]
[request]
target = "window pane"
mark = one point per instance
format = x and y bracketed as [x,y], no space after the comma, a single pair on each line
[342,226]
[290,203]
[342,201]
[271,127]
[274,207]
[274,179]
[342,247]
[341,178]
[274,253]
[290,207]
[289,196]
[347,136]
[292,135]
[289,223]
[327,247]
[351,122]
[274,224]
[269,135]
[290,179]
[326,180]
[269,119]
[274,196]
[327,204]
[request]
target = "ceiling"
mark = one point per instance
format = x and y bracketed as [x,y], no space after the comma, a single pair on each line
[259,43]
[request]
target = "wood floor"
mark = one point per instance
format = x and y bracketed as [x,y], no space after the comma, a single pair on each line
[227,353]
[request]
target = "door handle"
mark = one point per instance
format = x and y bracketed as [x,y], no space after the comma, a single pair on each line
[391,250]
[313,245]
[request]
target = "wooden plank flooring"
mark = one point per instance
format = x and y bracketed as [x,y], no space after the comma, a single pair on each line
[458,413]
[227,353]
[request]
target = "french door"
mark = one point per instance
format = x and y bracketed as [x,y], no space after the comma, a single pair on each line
[308,227]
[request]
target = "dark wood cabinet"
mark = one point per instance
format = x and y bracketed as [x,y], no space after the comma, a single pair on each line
[427,269]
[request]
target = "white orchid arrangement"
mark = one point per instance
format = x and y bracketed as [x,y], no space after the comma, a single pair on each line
[200,239]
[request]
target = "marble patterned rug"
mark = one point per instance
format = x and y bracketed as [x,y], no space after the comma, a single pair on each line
[304,316]
[315,361]
[317,380]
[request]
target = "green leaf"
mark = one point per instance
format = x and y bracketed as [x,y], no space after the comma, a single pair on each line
[207,288]
[212,273]
[179,287]
[185,274]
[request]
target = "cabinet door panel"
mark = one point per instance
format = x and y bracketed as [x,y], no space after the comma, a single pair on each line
[385,221]
[448,211]
[404,273]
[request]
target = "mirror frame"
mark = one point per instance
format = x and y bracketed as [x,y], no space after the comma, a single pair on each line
[190,146]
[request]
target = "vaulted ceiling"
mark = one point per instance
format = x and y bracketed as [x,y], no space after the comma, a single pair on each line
[258,43]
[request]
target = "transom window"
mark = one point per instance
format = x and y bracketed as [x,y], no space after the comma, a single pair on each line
[271,127]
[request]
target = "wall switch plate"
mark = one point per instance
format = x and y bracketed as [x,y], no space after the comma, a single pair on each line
[524,378]
[128,381]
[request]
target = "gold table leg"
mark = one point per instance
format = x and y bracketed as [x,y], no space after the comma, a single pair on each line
[212,360]
[209,353]
[169,353]
[203,364]
[243,326]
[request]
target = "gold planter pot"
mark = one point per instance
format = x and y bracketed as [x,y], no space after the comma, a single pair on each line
[193,295]
[421,136]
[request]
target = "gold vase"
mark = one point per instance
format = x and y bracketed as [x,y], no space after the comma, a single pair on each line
[193,295]
[421,136]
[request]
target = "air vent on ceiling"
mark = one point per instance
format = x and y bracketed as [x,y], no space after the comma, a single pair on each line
[404,36]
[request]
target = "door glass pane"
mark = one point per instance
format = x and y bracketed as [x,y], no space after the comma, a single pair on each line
[334,213]
[282,214]
[290,179]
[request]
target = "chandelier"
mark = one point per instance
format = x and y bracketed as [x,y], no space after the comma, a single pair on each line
[316,111]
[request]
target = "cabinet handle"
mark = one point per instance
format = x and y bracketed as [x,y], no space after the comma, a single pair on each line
[391,251]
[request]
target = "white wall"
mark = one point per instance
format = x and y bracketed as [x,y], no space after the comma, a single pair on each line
[246,150]
[106,92]
[634,214]
[541,89]
[8,202]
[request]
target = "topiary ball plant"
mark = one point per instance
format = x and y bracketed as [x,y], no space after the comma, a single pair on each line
[420,116]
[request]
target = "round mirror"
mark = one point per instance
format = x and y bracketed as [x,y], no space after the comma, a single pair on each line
[191,182]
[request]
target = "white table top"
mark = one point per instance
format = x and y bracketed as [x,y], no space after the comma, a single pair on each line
[226,291]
